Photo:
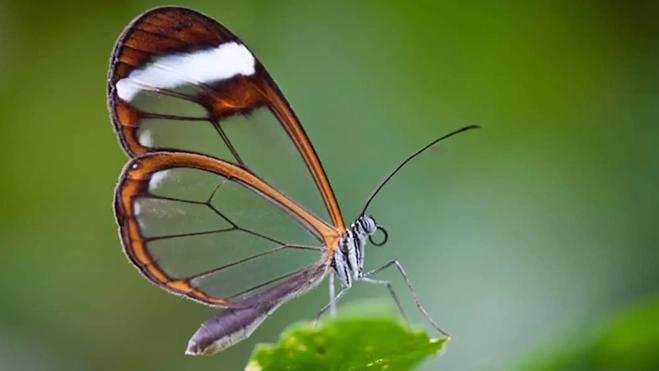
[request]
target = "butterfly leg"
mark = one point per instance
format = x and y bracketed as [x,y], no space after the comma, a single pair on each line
[332,302]
[391,291]
[409,286]
[331,295]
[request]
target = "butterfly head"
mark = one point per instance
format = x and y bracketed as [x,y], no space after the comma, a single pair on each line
[350,255]
[369,227]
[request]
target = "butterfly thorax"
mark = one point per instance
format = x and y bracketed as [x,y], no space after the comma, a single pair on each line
[349,256]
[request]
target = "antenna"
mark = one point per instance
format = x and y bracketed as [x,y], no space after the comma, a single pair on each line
[391,175]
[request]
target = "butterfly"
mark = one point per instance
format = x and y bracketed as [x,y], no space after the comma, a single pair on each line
[210,205]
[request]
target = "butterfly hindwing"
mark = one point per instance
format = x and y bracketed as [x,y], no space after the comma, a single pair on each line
[210,230]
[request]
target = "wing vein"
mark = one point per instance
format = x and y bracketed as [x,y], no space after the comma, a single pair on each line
[172,117]
[188,278]
[265,283]
[190,234]
[226,140]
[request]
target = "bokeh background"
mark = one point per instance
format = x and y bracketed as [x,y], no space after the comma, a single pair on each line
[534,230]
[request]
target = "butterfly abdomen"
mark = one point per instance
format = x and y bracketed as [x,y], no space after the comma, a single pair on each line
[227,328]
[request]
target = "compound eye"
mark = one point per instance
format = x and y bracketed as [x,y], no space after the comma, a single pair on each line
[369,224]
[372,226]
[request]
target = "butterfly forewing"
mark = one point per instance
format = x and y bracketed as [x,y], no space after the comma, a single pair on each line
[179,81]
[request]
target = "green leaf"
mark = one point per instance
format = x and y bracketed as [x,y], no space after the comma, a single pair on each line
[350,342]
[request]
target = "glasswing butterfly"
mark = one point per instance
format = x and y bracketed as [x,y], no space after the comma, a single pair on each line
[209,206]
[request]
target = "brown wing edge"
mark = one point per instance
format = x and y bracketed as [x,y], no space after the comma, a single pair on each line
[124,59]
[125,118]
[134,181]
[285,114]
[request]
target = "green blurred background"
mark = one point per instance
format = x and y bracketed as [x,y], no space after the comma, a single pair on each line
[530,231]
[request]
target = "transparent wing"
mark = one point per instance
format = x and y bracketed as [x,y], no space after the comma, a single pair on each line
[210,230]
[179,81]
